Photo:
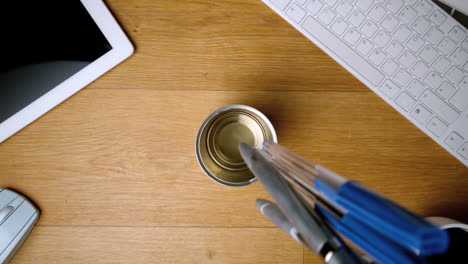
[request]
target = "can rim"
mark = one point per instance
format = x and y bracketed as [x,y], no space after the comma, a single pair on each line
[205,123]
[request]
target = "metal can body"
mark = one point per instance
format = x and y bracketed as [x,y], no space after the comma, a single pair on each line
[219,137]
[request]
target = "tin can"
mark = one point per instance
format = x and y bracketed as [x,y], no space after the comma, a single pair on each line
[218,140]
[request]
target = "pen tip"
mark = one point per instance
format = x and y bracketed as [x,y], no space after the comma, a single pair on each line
[261,204]
[246,152]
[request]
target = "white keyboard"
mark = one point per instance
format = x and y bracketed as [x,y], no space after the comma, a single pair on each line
[411,53]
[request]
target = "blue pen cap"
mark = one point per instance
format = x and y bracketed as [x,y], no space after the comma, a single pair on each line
[392,220]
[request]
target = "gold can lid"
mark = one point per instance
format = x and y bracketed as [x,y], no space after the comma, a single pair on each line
[219,138]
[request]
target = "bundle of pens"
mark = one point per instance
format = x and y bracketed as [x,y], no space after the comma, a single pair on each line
[313,204]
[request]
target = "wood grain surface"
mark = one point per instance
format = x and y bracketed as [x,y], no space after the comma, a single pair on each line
[114,172]
[158,245]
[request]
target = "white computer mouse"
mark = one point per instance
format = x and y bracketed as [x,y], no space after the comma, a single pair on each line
[17,219]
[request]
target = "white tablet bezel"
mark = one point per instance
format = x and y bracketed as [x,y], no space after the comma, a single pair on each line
[121,49]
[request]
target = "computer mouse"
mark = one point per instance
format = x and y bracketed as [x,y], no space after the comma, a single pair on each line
[17,218]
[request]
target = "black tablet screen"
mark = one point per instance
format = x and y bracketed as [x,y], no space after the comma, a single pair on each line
[43,44]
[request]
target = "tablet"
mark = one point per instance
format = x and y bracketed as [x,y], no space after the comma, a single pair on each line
[51,50]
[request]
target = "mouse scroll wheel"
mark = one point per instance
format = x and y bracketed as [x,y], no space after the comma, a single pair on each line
[5,212]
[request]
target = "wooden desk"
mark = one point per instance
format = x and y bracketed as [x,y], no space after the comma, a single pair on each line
[113,168]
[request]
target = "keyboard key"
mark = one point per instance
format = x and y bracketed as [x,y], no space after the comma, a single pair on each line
[441,64]
[448,24]
[465,43]
[342,51]
[439,107]
[296,13]
[402,33]
[364,46]
[459,98]
[331,2]
[464,150]
[421,114]
[408,14]
[369,28]
[352,36]
[457,33]
[301,2]
[394,49]
[377,57]
[405,101]
[390,67]
[434,35]
[356,18]
[420,25]
[415,43]
[436,126]
[327,16]
[377,13]
[464,83]
[314,6]
[394,5]
[340,26]
[420,69]
[461,125]
[390,23]
[424,7]
[382,39]
[433,80]
[455,75]
[454,140]
[437,17]
[281,4]
[415,87]
[402,77]
[344,8]
[364,5]
[459,56]
[446,46]
[410,2]
[407,59]
[446,90]
[389,89]
[428,54]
